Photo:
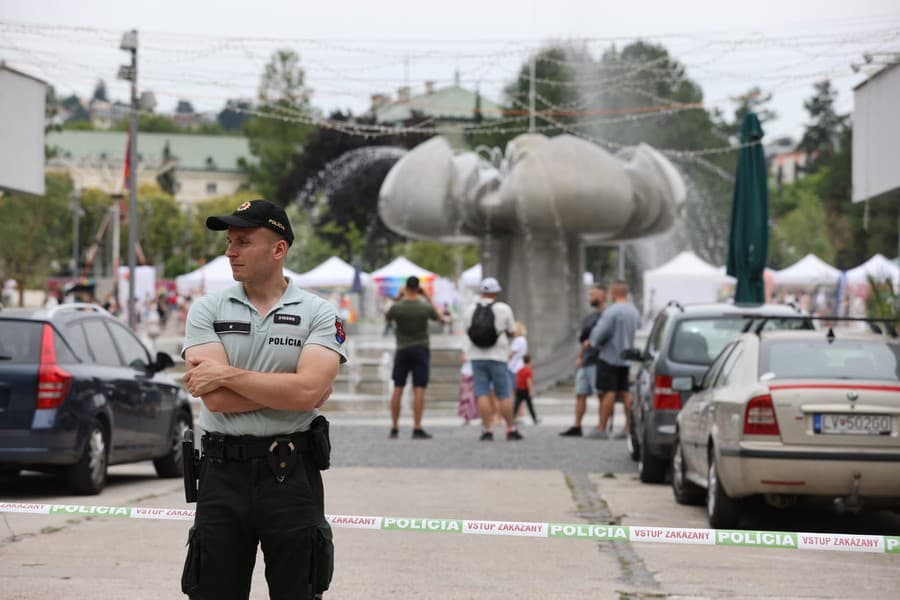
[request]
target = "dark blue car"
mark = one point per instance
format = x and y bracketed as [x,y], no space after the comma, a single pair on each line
[80,392]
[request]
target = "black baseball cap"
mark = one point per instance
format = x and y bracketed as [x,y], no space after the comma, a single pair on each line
[255,213]
[412,282]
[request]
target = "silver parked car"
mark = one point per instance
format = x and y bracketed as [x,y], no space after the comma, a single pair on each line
[790,415]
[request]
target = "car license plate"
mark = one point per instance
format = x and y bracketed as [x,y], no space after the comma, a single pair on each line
[852,424]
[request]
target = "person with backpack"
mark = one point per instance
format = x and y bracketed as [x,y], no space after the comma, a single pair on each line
[489,324]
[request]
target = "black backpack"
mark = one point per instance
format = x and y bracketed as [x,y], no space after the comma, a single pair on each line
[482,331]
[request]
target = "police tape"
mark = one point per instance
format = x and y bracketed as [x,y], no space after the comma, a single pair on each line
[842,542]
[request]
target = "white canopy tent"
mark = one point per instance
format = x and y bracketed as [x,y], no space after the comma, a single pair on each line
[472,276]
[212,277]
[401,267]
[686,278]
[333,273]
[878,267]
[808,271]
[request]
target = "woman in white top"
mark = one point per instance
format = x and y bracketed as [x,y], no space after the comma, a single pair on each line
[518,348]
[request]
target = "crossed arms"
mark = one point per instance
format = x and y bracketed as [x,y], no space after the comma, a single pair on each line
[227,389]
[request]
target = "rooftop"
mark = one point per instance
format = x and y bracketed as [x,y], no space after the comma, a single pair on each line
[193,152]
[449,103]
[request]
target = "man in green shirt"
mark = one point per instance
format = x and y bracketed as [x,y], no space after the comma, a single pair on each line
[411,314]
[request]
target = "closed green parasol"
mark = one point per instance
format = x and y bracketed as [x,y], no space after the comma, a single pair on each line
[748,241]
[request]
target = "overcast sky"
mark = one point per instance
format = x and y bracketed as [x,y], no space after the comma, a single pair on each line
[207,51]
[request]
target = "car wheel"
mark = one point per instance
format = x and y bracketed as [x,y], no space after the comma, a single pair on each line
[172,464]
[88,475]
[723,511]
[631,442]
[650,468]
[685,491]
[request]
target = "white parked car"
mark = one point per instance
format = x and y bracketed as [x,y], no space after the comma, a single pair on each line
[791,415]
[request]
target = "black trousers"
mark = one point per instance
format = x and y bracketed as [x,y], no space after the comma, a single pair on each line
[524,396]
[240,505]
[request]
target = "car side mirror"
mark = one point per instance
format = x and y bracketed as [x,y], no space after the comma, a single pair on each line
[683,384]
[633,354]
[163,361]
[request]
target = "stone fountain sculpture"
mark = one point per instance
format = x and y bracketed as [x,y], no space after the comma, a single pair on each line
[533,210]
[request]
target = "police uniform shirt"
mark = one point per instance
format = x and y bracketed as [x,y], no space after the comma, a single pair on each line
[270,344]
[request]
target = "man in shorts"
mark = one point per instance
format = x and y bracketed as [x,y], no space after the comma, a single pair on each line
[612,334]
[489,370]
[411,314]
[586,363]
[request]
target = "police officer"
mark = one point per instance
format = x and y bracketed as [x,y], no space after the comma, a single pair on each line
[262,356]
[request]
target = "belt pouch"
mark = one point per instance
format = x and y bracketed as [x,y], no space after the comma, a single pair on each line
[320,443]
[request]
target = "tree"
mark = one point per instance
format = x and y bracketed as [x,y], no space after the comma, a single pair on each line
[855,237]
[235,114]
[634,94]
[35,232]
[206,244]
[799,224]
[184,107]
[160,224]
[822,136]
[555,91]
[148,124]
[439,257]
[78,125]
[166,177]
[343,196]
[75,108]
[753,101]
[281,127]
[95,205]
[100,92]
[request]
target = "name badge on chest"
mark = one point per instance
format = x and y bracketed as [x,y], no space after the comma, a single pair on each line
[231,327]
[286,319]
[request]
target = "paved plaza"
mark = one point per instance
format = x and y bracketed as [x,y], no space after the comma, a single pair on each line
[543,478]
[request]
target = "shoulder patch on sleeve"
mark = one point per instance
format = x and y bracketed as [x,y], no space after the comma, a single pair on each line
[339,334]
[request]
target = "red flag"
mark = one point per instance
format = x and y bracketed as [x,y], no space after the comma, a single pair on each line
[128,162]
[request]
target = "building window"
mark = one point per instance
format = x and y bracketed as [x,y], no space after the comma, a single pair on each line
[177,186]
[211,187]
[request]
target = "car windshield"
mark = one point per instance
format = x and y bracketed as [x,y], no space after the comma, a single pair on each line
[20,342]
[699,341]
[821,359]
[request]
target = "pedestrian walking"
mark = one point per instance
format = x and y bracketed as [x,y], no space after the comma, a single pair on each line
[525,388]
[448,318]
[489,325]
[586,362]
[262,357]
[468,404]
[410,315]
[613,333]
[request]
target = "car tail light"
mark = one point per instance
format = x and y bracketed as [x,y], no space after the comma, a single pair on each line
[53,380]
[664,397]
[759,417]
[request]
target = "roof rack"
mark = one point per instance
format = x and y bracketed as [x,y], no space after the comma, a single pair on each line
[676,304]
[875,323]
[76,306]
[757,322]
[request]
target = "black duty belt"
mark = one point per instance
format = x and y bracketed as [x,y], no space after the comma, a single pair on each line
[245,447]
